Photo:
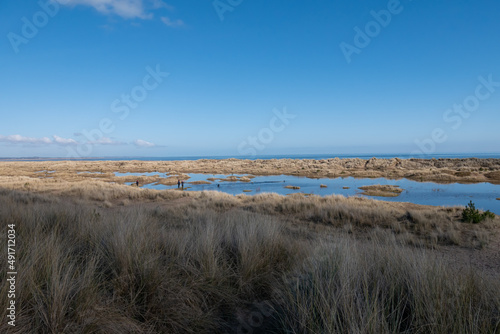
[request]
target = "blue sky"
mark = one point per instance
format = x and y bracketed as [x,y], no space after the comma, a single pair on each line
[238,77]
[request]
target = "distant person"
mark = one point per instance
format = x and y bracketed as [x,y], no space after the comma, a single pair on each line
[137,183]
[218,185]
[182,183]
[178,183]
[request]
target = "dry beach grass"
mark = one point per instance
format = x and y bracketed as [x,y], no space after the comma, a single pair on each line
[436,170]
[97,257]
[381,190]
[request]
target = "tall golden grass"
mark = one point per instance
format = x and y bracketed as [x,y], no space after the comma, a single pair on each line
[224,264]
[352,287]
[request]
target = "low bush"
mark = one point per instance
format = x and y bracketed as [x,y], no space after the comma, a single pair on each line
[472,215]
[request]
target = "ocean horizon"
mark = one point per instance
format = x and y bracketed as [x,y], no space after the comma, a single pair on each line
[267,157]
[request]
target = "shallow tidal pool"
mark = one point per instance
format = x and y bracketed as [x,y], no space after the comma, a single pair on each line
[484,195]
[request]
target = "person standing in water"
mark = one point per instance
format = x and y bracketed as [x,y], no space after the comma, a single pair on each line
[137,182]
[178,183]
[182,183]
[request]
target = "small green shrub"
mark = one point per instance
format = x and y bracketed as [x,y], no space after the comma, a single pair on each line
[472,215]
[488,214]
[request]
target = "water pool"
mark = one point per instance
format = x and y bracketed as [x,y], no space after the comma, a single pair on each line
[484,195]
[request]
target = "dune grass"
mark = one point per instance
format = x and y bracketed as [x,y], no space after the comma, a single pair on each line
[381,190]
[225,264]
[418,225]
[348,287]
[441,171]
[185,271]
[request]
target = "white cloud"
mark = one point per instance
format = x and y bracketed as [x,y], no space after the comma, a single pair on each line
[124,8]
[160,4]
[143,143]
[128,9]
[64,141]
[172,23]
[18,139]
[105,141]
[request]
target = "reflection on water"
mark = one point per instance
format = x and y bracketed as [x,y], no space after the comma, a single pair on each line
[429,193]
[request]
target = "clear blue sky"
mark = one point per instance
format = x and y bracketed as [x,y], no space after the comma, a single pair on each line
[67,68]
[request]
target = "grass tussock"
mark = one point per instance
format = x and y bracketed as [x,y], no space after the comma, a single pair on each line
[348,287]
[225,264]
[381,190]
[413,225]
[87,270]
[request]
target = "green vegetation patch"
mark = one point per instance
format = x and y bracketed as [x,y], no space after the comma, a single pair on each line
[472,215]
